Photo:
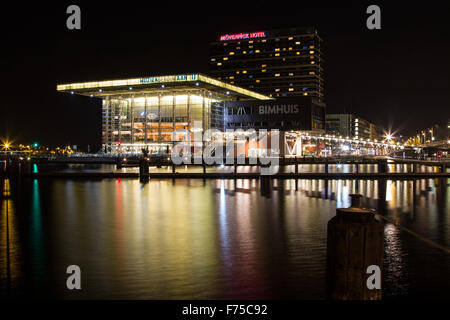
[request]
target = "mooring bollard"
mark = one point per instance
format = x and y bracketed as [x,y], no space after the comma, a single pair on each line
[25,167]
[382,166]
[144,170]
[119,163]
[355,247]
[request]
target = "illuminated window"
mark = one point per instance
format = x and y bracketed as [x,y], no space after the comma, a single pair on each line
[257,51]
[231,77]
[258,81]
[231,53]
[277,90]
[219,63]
[251,41]
[311,57]
[297,53]
[297,42]
[291,73]
[244,71]
[291,89]
[277,49]
[264,40]
[290,48]
[277,54]
[213,59]
[312,62]
[263,70]
[305,93]
[312,72]
[277,74]
[312,47]
[311,52]
[225,58]
[244,52]
[264,65]
[237,72]
[291,38]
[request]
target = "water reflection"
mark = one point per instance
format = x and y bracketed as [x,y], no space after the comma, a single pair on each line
[36,232]
[10,244]
[213,239]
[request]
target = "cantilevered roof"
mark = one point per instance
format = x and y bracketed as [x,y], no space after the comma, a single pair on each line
[156,83]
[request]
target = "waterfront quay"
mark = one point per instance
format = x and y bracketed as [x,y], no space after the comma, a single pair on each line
[236,168]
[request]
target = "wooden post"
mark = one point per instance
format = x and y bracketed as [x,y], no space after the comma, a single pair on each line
[326,165]
[382,166]
[144,171]
[173,167]
[355,242]
[119,163]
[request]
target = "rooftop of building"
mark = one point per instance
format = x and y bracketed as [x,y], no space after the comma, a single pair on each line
[268,34]
[154,84]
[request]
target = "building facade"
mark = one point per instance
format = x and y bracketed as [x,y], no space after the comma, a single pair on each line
[156,112]
[284,114]
[350,125]
[279,63]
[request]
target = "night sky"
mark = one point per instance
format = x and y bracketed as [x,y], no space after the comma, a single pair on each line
[397,77]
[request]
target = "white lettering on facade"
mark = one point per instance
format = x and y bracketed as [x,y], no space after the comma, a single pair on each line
[279,109]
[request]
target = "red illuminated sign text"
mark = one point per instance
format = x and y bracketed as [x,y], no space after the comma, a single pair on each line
[239,36]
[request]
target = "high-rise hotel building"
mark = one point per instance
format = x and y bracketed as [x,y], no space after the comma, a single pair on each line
[278,63]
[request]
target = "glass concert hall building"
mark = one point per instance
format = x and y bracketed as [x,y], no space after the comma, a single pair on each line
[156,112]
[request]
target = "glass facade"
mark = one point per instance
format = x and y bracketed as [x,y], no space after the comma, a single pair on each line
[153,121]
[154,113]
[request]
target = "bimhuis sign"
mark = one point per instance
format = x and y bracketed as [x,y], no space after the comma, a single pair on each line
[279,108]
[289,113]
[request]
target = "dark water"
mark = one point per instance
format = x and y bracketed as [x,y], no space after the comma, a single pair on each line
[218,239]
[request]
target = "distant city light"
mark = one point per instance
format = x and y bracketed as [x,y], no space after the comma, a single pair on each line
[388,137]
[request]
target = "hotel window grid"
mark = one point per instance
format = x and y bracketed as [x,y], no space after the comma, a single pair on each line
[294,55]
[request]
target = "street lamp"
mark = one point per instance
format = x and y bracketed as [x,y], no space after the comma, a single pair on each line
[388,137]
[6,145]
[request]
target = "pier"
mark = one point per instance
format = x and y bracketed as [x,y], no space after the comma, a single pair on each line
[288,168]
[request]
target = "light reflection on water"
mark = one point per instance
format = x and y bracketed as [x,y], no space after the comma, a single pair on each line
[214,239]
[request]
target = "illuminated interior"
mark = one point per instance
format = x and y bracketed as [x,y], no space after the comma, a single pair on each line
[156,112]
